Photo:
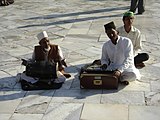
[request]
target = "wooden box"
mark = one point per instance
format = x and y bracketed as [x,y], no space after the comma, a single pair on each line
[98,81]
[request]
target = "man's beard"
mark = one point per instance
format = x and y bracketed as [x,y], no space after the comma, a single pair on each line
[47,49]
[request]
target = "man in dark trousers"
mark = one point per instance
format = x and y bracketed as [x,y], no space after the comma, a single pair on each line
[134,34]
[6,2]
[137,4]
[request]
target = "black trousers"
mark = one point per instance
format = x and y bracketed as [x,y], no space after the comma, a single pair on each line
[137,4]
[141,57]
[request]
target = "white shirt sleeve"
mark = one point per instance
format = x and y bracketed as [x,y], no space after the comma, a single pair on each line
[138,42]
[134,35]
[129,58]
[104,57]
[60,53]
[33,56]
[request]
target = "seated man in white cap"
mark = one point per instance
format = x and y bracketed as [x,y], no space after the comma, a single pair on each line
[46,52]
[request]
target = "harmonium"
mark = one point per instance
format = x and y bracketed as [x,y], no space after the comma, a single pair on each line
[93,77]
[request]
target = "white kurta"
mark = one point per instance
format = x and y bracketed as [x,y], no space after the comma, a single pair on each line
[134,35]
[120,56]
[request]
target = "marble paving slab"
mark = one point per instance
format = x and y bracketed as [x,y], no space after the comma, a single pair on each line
[123,97]
[135,86]
[144,112]
[63,111]
[35,102]
[5,116]
[104,112]
[9,100]
[77,96]
[16,116]
[152,98]
[155,86]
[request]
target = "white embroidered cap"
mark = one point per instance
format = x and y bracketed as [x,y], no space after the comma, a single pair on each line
[42,35]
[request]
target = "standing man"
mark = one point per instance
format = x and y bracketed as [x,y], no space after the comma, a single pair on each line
[129,31]
[137,4]
[117,55]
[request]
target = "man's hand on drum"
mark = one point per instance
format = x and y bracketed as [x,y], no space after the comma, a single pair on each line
[104,67]
[117,73]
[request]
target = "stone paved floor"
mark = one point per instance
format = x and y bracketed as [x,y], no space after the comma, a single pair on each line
[76,26]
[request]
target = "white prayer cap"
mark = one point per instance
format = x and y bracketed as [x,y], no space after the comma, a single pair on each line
[42,35]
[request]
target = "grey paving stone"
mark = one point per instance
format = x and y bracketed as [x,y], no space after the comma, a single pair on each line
[11,66]
[155,87]
[135,86]
[82,62]
[67,84]
[89,53]
[73,57]
[63,111]
[4,58]
[16,116]
[104,112]
[156,65]
[148,74]
[7,82]
[83,24]
[3,74]
[76,83]
[17,50]
[77,96]
[78,31]
[144,112]
[123,97]
[82,38]
[103,39]
[14,69]
[35,102]
[5,116]
[69,81]
[74,47]
[152,98]
[9,100]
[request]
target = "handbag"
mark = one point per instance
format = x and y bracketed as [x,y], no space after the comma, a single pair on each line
[41,71]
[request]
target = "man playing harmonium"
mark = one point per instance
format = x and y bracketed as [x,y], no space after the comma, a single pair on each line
[117,55]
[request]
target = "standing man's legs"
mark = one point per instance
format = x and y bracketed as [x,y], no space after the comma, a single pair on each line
[133,5]
[141,7]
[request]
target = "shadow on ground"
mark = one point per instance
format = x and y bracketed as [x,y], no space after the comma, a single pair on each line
[73,20]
